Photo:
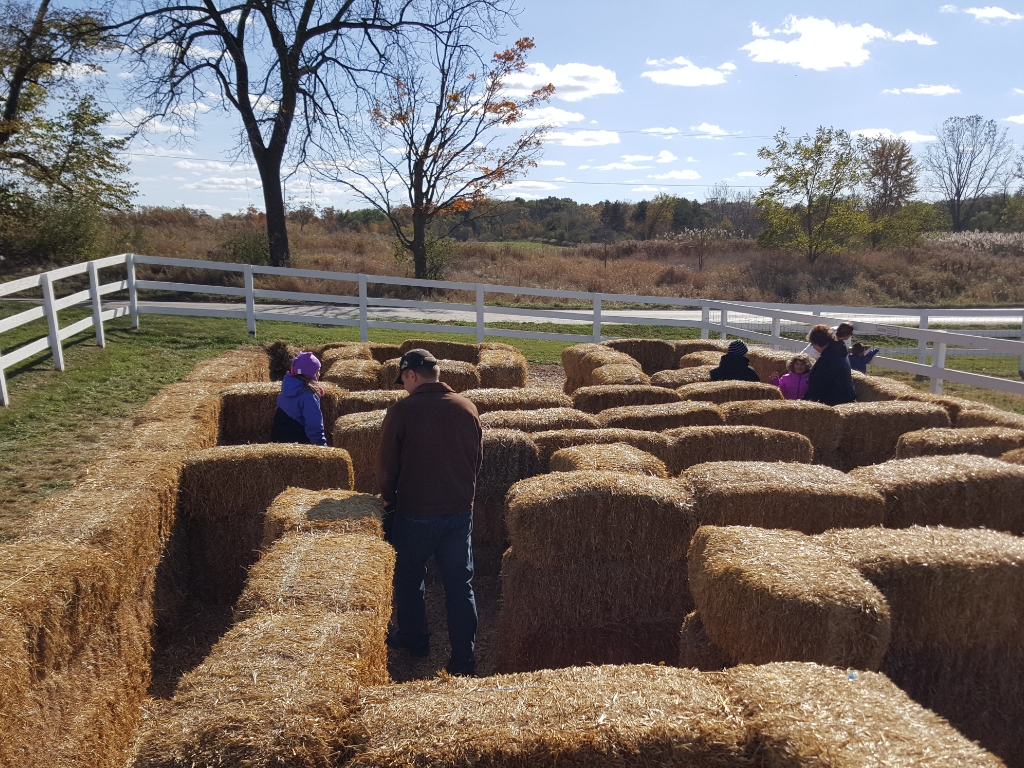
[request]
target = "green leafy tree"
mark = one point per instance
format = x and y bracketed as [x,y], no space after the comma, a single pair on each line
[808,205]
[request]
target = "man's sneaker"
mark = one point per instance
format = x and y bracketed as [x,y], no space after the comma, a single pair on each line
[418,647]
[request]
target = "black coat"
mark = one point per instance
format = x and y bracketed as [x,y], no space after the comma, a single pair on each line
[830,381]
[734,368]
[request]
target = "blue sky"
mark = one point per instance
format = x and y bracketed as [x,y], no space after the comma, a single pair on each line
[677,96]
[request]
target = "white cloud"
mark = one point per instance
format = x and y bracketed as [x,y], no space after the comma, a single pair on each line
[637,158]
[135,119]
[925,90]
[1018,91]
[224,184]
[528,189]
[739,154]
[573,82]
[562,178]
[649,188]
[615,167]
[552,116]
[912,137]
[691,159]
[709,131]
[1015,119]
[212,165]
[661,131]
[727,67]
[686,175]
[912,37]
[992,12]
[685,73]
[948,9]
[747,174]
[758,31]
[151,151]
[584,138]
[551,162]
[666,157]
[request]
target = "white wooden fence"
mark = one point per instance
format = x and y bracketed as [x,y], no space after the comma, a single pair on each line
[716,316]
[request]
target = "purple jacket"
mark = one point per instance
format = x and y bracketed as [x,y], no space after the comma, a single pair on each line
[301,403]
[794,385]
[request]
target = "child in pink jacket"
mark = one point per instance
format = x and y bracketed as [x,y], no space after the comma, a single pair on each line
[794,383]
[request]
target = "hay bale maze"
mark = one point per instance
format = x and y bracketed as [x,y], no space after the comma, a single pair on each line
[689,446]
[466,366]
[613,457]
[596,399]
[541,420]
[870,432]
[697,374]
[818,423]
[728,391]
[981,441]
[657,418]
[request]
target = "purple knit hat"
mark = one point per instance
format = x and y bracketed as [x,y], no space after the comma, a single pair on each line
[305,364]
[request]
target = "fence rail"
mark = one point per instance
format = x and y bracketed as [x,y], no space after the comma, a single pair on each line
[722,317]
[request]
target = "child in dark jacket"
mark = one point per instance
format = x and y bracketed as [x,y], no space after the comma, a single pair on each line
[831,381]
[794,384]
[860,356]
[734,365]
[298,418]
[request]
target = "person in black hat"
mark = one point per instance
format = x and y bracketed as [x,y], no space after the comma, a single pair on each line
[734,365]
[430,453]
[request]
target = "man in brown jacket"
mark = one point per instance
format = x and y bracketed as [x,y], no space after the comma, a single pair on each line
[430,453]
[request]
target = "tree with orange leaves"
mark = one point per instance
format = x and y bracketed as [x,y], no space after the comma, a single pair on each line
[437,139]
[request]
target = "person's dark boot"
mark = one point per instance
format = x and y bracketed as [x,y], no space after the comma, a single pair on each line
[416,645]
[461,669]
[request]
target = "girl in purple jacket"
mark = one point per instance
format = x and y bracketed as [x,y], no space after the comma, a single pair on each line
[298,418]
[794,383]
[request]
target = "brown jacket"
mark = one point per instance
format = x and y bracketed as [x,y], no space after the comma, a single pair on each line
[430,453]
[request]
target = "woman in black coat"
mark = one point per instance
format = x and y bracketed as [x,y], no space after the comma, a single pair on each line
[831,381]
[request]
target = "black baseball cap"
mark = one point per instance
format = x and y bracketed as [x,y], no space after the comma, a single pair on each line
[415,358]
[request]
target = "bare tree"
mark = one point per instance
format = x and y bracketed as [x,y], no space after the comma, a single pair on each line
[890,174]
[289,69]
[970,157]
[437,138]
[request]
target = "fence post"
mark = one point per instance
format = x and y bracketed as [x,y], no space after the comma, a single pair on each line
[250,301]
[5,397]
[52,323]
[776,331]
[597,319]
[364,328]
[133,293]
[479,314]
[724,323]
[705,321]
[1020,366]
[922,344]
[938,365]
[97,305]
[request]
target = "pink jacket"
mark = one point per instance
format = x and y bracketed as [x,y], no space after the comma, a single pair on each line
[794,385]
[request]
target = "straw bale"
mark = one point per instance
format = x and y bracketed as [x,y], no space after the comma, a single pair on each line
[172,436]
[572,360]
[696,651]
[651,442]
[384,352]
[801,497]
[275,690]
[689,346]
[360,434]
[809,715]
[958,491]
[509,456]
[332,353]
[458,375]
[502,367]
[589,611]
[1014,457]
[653,354]
[612,457]
[444,350]
[870,431]
[697,445]
[334,511]
[818,423]
[613,515]
[236,366]
[682,376]
[601,398]
[768,361]
[993,418]
[310,573]
[541,420]
[655,418]
[702,359]
[180,416]
[954,405]
[980,441]
[354,375]
[601,356]
[873,389]
[360,402]
[618,374]
[728,391]
[487,400]
[627,716]
[224,495]
[280,354]
[247,412]
[767,596]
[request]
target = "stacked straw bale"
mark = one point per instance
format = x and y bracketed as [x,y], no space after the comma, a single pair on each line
[954,405]
[572,362]
[354,375]
[690,446]
[682,376]
[1014,457]
[767,596]
[696,651]
[728,391]
[689,346]
[333,353]
[596,572]
[771,715]
[612,457]
[247,411]
[444,350]
[600,398]
[653,354]
[541,420]
[768,361]
[704,358]
[334,511]
[351,350]
[956,491]
[818,423]
[180,417]
[801,497]
[875,389]
[224,495]
[487,400]
[656,418]
[583,361]
[651,442]
[502,366]
[509,456]
[980,441]
[359,434]
[280,355]
[957,604]
[457,374]
[870,431]
[622,375]
[244,364]
[360,402]
[993,418]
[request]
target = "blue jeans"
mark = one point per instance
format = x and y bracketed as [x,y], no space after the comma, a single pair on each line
[447,539]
